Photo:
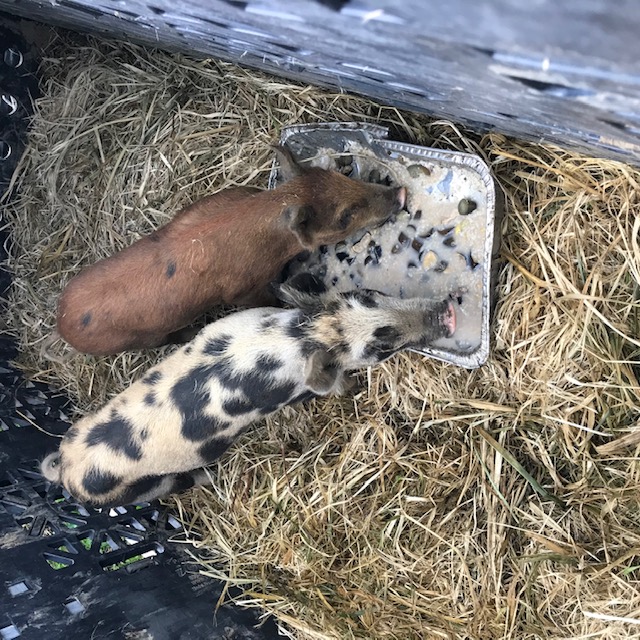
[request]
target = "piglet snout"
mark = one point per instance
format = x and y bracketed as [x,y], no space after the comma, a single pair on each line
[439,322]
[401,197]
[448,319]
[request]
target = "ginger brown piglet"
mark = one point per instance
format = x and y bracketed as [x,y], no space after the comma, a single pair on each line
[226,248]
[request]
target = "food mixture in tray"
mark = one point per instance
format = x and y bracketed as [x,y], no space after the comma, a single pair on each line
[438,247]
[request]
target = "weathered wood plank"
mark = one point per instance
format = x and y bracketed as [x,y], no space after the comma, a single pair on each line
[562,72]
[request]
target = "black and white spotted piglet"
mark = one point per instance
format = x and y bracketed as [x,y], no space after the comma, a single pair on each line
[154,438]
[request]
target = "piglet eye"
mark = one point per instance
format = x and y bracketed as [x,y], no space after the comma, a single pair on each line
[345,218]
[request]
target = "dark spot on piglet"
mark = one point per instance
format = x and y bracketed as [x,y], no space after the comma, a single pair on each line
[213,449]
[378,351]
[150,399]
[171,269]
[97,482]
[217,346]
[387,334]
[223,370]
[138,489]
[386,341]
[200,426]
[295,329]
[237,407]
[86,319]
[277,397]
[152,378]
[117,434]
[266,363]
[190,395]
[307,347]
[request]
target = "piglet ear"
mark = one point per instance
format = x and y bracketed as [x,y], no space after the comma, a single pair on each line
[293,297]
[299,218]
[289,167]
[307,283]
[304,291]
[322,374]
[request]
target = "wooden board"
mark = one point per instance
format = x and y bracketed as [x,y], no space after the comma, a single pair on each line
[561,72]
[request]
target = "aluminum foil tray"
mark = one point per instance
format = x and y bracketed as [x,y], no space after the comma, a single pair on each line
[440,246]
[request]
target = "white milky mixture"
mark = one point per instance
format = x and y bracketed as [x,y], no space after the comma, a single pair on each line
[430,250]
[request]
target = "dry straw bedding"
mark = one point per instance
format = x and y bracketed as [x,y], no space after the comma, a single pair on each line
[435,502]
